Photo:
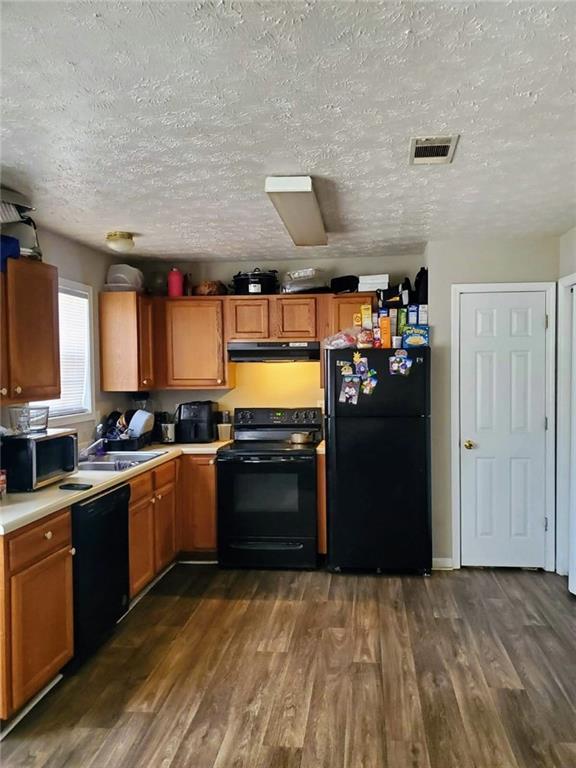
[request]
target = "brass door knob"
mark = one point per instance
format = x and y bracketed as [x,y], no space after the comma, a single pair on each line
[468,444]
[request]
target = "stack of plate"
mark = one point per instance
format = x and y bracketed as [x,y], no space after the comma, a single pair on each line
[122,277]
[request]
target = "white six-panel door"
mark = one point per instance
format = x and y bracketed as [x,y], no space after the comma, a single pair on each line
[502,428]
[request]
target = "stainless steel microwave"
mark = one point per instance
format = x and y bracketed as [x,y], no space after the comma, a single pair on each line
[35,460]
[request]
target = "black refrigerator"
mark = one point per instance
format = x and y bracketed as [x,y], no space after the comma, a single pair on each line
[378,459]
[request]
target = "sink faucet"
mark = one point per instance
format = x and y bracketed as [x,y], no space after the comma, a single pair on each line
[96,448]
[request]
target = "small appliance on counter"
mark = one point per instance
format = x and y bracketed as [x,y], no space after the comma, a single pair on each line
[36,459]
[267,489]
[195,422]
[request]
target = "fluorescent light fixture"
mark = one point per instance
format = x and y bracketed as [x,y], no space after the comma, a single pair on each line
[296,204]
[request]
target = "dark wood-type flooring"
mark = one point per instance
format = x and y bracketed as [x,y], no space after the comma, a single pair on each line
[216,669]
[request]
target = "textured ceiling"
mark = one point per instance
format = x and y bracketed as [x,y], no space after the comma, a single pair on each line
[164,118]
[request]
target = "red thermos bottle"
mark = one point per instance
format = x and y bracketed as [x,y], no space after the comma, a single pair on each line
[175,282]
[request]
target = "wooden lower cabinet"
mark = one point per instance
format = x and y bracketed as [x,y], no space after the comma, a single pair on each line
[198,504]
[141,538]
[42,635]
[164,526]
[36,608]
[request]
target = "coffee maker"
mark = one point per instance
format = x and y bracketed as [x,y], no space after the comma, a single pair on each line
[195,422]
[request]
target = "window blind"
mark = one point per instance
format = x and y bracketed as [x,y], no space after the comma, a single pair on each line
[75,354]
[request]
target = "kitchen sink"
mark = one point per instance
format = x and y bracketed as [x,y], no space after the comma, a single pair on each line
[118,461]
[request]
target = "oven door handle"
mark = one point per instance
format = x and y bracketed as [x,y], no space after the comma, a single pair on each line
[274,460]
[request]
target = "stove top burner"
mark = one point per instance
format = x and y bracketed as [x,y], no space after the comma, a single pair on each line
[268,448]
[267,431]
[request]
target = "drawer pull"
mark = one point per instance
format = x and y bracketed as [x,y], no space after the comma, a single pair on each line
[48,535]
[218,381]
[153,500]
[18,390]
[3,391]
[159,496]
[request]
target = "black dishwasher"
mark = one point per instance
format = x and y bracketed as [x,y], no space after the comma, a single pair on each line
[101,573]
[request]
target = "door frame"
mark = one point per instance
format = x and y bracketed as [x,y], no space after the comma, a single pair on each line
[566,432]
[549,289]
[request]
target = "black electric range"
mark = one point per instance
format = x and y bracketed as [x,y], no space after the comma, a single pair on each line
[267,489]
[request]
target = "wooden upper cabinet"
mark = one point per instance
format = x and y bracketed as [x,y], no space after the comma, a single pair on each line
[33,332]
[4,362]
[193,344]
[293,318]
[198,504]
[126,346]
[145,341]
[345,306]
[247,318]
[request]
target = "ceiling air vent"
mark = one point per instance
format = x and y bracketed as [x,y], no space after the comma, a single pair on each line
[433,151]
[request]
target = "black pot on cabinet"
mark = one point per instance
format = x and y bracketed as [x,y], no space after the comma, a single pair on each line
[256,283]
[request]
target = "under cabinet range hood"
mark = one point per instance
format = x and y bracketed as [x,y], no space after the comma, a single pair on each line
[273,351]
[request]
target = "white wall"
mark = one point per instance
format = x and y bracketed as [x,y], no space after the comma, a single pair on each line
[84,265]
[568,253]
[399,266]
[468,261]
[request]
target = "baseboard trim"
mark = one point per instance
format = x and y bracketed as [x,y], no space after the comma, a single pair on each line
[442,564]
[7,725]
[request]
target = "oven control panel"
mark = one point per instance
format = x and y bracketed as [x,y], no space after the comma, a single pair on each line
[278,417]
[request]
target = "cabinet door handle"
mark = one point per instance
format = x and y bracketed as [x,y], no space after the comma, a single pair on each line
[218,381]
[48,535]
[159,496]
[144,381]
[18,390]
[73,551]
[153,500]
[3,391]
[212,461]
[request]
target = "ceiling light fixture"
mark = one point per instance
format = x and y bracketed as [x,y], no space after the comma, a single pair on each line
[296,204]
[122,242]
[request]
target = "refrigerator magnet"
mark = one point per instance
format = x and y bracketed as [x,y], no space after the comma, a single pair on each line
[369,384]
[349,390]
[399,364]
[345,367]
[361,365]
